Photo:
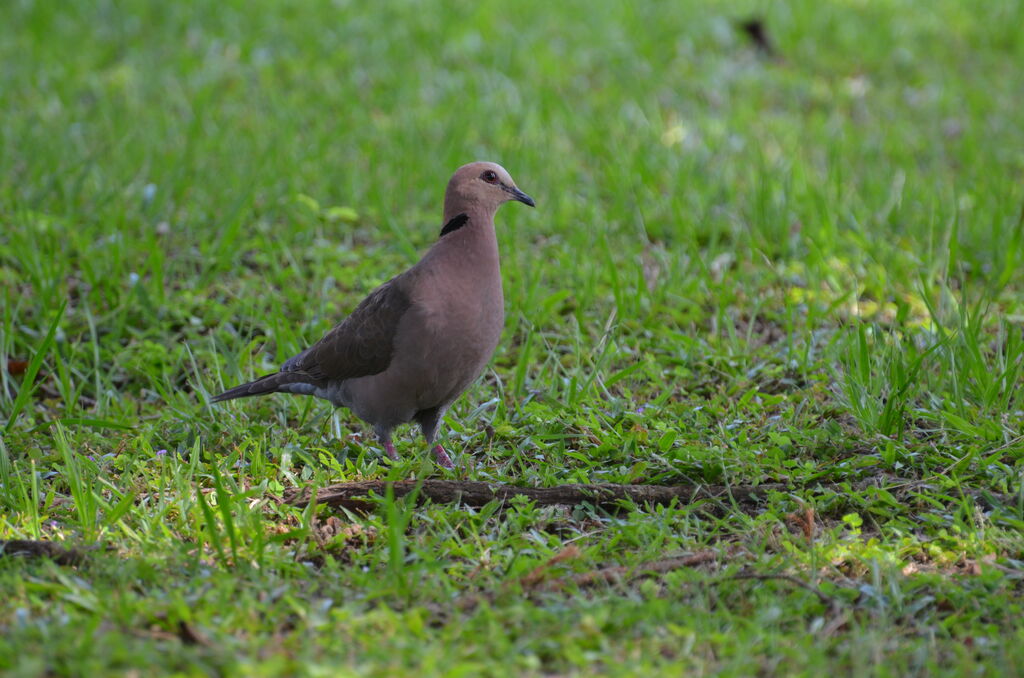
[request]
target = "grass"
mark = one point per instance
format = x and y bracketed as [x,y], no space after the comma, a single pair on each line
[741,270]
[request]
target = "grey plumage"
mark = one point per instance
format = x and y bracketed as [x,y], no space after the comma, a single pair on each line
[419,340]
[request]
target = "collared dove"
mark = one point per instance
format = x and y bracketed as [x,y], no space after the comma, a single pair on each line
[420,339]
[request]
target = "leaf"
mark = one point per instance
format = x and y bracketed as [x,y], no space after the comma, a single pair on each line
[345,214]
[126,503]
[666,441]
[16,367]
[308,202]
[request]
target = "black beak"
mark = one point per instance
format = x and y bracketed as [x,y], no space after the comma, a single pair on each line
[519,195]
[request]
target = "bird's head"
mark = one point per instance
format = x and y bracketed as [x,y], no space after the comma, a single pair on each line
[481,186]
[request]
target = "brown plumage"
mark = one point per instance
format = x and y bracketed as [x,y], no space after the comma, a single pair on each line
[419,340]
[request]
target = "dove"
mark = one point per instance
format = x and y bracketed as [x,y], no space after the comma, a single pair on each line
[418,341]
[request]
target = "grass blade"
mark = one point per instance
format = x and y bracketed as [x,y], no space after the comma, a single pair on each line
[28,385]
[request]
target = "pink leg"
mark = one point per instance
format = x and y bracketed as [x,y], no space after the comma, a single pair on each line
[442,457]
[390,449]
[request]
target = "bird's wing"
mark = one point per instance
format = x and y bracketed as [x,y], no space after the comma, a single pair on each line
[360,345]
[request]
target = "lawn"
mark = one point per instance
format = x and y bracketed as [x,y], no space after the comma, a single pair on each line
[797,269]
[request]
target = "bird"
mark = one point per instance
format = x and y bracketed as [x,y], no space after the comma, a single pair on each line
[415,343]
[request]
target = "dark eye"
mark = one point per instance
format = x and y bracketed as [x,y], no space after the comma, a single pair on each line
[490,176]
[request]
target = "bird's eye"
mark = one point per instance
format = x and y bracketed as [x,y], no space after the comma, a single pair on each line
[490,176]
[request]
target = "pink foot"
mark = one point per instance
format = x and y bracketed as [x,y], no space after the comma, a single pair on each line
[389,448]
[442,457]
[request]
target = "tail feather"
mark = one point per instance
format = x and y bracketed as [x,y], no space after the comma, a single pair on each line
[271,383]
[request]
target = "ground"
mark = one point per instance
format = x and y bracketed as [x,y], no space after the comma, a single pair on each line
[794,266]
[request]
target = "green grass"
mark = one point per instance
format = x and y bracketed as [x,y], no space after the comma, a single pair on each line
[741,270]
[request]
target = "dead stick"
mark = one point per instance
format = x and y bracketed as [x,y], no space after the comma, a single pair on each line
[26,548]
[474,493]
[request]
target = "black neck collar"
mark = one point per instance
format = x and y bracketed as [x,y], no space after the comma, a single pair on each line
[456,222]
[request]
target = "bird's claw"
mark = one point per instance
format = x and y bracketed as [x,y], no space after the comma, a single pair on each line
[442,457]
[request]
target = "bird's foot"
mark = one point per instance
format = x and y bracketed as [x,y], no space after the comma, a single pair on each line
[442,457]
[389,448]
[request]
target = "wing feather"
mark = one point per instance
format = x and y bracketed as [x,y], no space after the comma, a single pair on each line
[360,345]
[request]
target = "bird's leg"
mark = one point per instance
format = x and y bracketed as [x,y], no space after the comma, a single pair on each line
[428,421]
[384,436]
[442,457]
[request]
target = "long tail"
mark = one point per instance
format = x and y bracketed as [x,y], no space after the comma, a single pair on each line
[287,382]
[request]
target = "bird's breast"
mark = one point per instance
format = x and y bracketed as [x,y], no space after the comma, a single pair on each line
[458,323]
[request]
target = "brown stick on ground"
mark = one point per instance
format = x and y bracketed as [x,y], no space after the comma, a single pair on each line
[473,493]
[25,548]
[357,495]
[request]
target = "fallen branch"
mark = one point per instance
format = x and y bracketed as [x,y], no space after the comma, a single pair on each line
[474,493]
[357,495]
[26,548]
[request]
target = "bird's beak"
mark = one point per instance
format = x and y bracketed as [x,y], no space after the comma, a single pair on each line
[519,195]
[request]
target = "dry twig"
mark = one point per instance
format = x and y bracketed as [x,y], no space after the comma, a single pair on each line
[27,548]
